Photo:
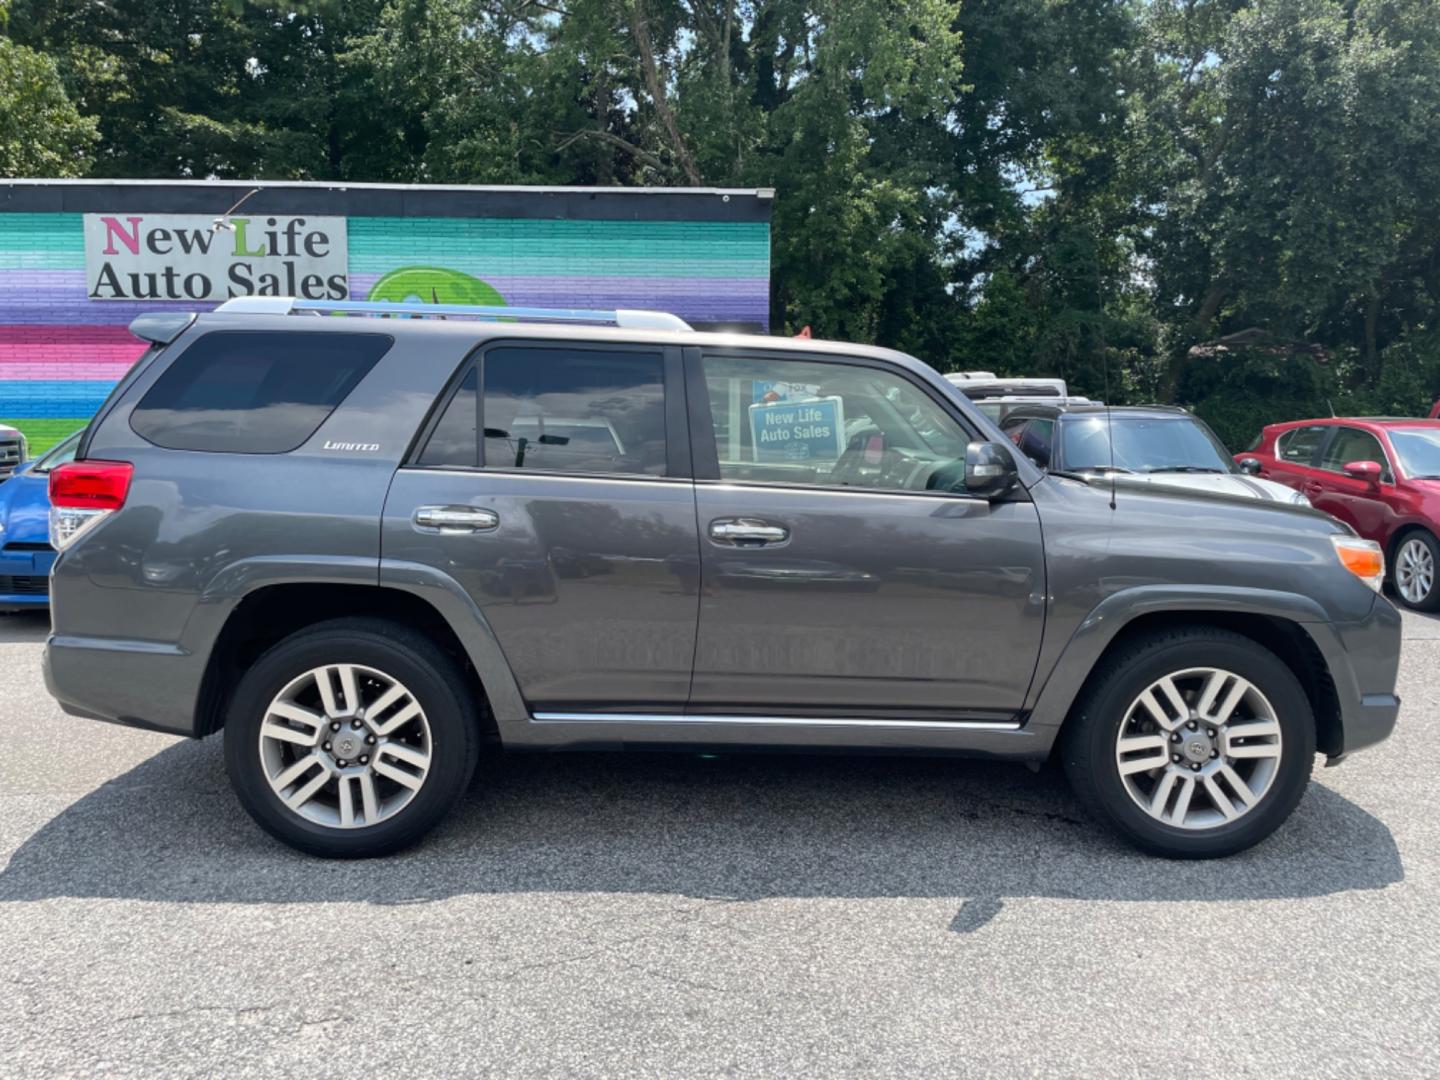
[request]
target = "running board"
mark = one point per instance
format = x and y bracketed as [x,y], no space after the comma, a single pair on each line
[776,721]
[999,738]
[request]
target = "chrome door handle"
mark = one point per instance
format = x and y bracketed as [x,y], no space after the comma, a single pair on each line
[455,519]
[747,531]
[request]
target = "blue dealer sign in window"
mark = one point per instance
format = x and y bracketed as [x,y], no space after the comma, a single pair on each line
[798,430]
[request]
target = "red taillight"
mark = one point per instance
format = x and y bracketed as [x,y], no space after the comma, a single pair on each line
[90,485]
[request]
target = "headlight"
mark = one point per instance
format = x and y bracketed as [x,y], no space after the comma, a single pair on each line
[1297,498]
[1363,558]
[24,447]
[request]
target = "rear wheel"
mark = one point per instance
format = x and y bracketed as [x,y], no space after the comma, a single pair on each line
[351,738]
[1414,571]
[1196,743]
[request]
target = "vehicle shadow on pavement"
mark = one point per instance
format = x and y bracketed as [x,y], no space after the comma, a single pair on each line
[735,827]
[24,627]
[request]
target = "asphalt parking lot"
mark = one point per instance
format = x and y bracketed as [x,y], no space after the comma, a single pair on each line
[601,915]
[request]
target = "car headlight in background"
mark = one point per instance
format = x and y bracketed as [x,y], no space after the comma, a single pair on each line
[1298,498]
[1363,558]
[24,447]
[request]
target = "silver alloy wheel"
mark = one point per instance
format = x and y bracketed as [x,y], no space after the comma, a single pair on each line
[1199,748]
[1415,570]
[345,746]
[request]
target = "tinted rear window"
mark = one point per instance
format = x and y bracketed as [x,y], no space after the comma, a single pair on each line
[254,392]
[574,410]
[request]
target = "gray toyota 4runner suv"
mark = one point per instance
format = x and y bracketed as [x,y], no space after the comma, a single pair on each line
[366,547]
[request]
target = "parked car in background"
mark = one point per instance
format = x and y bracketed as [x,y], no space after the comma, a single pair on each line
[998,397]
[13,451]
[1154,443]
[1435,410]
[1381,476]
[25,551]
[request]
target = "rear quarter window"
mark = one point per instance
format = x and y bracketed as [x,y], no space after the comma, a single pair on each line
[254,391]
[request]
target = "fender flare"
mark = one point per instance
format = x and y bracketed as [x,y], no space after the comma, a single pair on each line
[464,617]
[1111,616]
[230,586]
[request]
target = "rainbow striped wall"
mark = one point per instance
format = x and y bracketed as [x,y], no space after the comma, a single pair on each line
[60,353]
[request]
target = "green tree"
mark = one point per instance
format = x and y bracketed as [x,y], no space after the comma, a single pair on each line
[195,88]
[1293,148]
[42,133]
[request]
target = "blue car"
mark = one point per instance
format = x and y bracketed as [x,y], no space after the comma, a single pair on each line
[25,551]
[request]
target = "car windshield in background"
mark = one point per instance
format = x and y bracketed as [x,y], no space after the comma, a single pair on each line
[1143,444]
[61,455]
[1419,451]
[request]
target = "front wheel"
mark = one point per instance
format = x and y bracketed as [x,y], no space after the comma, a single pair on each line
[352,738]
[1195,743]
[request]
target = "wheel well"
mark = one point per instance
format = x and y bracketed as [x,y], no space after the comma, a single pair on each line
[270,614]
[1286,639]
[1396,540]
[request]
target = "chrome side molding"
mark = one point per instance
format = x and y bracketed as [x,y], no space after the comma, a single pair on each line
[775,721]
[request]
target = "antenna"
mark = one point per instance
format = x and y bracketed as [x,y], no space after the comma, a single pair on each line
[1109,424]
[223,221]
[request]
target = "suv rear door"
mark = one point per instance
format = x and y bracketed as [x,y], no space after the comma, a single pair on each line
[570,523]
[1297,453]
[835,581]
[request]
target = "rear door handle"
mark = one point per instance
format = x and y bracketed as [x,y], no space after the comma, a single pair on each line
[455,519]
[747,532]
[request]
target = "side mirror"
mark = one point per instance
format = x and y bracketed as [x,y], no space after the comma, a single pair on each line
[1369,471]
[989,470]
[1250,466]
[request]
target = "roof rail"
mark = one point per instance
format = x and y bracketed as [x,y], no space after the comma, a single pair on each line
[289,305]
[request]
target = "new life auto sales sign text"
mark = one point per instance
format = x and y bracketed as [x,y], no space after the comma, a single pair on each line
[184,257]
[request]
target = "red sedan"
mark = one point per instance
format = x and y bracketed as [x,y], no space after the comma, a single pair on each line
[1380,476]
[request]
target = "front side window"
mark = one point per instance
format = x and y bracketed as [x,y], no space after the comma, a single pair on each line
[1035,443]
[564,409]
[1298,445]
[254,391]
[832,425]
[1352,444]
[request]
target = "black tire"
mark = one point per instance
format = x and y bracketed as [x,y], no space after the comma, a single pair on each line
[434,680]
[1088,742]
[1431,600]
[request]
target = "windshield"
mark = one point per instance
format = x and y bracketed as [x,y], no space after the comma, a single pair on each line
[1143,444]
[1418,450]
[995,410]
[60,455]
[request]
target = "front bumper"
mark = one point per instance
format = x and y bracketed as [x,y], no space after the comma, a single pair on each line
[25,579]
[1363,659]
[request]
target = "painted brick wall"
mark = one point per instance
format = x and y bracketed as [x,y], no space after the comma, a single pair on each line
[60,353]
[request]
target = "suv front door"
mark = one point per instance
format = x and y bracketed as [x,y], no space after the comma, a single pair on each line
[553,487]
[1361,504]
[842,576]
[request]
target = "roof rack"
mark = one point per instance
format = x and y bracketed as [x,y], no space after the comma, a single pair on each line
[289,305]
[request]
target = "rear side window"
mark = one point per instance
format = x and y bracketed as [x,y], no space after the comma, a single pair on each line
[573,410]
[254,391]
[1299,444]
